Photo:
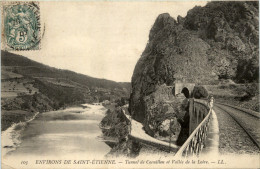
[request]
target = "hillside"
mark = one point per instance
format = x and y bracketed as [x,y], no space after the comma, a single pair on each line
[31,68]
[29,87]
[211,44]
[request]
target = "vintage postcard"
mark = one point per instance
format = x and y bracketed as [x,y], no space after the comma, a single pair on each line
[129,84]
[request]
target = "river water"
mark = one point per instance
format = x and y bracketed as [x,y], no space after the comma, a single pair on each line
[65,134]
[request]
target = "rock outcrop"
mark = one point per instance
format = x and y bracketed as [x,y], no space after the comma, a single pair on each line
[210,43]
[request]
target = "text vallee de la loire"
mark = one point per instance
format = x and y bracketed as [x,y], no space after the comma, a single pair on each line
[100,162]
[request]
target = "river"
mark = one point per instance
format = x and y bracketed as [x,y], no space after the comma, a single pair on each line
[64,134]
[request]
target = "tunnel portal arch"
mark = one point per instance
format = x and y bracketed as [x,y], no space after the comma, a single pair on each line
[183,87]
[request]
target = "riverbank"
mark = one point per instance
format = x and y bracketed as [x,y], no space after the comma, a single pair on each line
[10,117]
[73,131]
[11,136]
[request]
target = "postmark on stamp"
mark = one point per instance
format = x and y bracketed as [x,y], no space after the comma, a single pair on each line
[21,26]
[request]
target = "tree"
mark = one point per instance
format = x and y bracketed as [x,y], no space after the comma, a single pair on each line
[200,92]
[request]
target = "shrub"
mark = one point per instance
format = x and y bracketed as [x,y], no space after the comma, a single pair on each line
[121,102]
[117,123]
[200,92]
[25,106]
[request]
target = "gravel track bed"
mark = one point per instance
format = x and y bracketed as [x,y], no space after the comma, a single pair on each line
[232,138]
[248,121]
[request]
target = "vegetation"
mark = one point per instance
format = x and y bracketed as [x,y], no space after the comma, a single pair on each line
[122,101]
[243,95]
[200,92]
[60,95]
[115,124]
[14,116]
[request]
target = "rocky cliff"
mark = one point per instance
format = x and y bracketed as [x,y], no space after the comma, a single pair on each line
[218,41]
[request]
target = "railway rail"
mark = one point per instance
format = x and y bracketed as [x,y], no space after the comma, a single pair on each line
[247,111]
[248,127]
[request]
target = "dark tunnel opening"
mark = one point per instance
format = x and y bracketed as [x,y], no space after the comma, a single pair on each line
[186,92]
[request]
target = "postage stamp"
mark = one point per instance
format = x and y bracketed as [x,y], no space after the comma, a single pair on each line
[21,26]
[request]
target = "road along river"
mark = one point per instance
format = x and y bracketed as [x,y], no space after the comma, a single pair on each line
[70,134]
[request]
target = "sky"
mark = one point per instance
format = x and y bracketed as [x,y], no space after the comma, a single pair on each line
[99,39]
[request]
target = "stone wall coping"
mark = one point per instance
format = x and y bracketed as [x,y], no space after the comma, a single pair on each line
[212,141]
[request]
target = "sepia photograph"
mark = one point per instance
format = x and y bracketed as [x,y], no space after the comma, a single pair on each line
[129,84]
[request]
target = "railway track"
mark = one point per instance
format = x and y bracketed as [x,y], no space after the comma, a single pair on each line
[249,112]
[248,122]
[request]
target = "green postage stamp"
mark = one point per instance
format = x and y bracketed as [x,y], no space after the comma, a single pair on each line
[21,26]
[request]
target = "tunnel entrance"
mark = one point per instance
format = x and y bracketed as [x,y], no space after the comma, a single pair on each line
[186,92]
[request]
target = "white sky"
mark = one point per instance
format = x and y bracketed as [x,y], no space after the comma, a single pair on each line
[100,39]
